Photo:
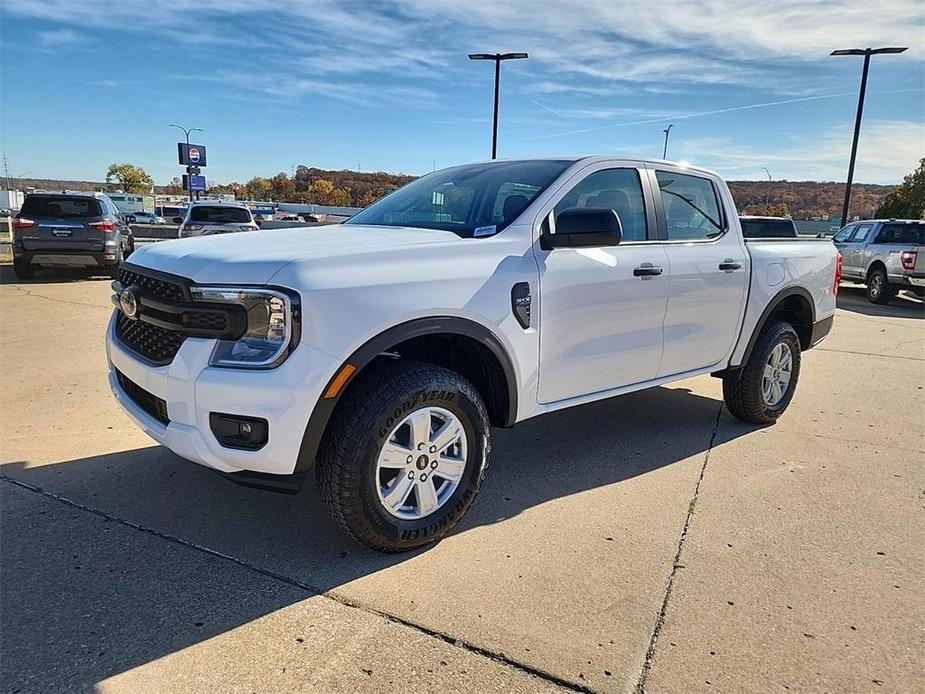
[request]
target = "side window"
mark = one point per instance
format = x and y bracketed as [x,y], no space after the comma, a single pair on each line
[843,235]
[615,189]
[691,207]
[885,235]
[862,233]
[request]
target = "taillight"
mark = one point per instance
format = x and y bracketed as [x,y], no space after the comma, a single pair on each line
[837,273]
[103,225]
[23,223]
[190,227]
[907,258]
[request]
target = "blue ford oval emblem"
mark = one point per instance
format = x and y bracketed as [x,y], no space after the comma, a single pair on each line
[128,302]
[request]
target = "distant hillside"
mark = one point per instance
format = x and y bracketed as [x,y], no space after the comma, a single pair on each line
[806,199]
[800,199]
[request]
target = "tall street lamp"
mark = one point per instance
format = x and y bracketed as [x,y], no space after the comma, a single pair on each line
[189,176]
[665,149]
[497,57]
[866,52]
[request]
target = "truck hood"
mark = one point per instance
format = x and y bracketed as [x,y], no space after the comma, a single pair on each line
[255,257]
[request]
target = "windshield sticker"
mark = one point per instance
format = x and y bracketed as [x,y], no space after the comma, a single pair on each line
[484,231]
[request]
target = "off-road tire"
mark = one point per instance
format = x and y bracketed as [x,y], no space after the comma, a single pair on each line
[879,289]
[23,269]
[742,388]
[364,418]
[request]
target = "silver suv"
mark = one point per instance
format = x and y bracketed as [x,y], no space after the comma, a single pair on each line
[884,254]
[215,217]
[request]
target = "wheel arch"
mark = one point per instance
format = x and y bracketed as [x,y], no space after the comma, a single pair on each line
[794,305]
[457,343]
[876,264]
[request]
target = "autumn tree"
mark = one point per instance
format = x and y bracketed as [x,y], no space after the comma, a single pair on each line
[281,187]
[130,178]
[175,187]
[908,200]
[258,188]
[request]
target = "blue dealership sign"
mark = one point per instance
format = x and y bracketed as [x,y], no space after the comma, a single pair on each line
[194,182]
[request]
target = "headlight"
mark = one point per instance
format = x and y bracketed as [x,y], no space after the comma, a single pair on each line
[272,325]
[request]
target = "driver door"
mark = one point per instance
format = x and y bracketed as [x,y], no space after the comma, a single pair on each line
[601,309]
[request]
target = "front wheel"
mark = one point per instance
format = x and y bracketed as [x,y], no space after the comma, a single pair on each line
[761,390]
[404,455]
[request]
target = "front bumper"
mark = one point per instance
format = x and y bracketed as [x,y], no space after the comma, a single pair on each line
[284,396]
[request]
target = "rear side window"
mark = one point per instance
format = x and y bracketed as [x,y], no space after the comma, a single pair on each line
[61,206]
[220,215]
[691,207]
[768,229]
[902,233]
[614,189]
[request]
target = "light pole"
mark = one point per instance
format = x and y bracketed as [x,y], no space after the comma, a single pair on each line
[866,52]
[189,176]
[497,57]
[767,195]
[666,131]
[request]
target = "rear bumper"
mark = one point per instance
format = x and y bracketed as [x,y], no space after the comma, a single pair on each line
[66,257]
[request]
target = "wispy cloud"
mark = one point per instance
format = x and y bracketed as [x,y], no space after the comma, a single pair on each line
[884,154]
[59,38]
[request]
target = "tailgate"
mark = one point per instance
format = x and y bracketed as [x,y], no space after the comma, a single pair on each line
[62,235]
[919,269]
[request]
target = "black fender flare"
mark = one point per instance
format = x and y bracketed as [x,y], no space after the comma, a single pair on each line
[773,304]
[324,408]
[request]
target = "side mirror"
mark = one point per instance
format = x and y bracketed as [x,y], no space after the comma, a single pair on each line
[584,227]
[258,222]
[178,220]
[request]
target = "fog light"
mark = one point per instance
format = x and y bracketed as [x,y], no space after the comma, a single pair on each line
[239,431]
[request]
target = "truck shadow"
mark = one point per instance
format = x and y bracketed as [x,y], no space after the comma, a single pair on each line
[53,275]
[854,298]
[552,457]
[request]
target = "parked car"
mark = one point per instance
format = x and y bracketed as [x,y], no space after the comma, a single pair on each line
[208,217]
[380,352]
[145,218]
[884,254]
[70,229]
[768,227]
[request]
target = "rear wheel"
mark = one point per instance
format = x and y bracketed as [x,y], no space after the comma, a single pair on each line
[115,267]
[879,289]
[23,269]
[404,455]
[761,390]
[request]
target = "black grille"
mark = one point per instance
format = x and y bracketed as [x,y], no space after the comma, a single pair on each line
[149,402]
[206,320]
[154,344]
[159,289]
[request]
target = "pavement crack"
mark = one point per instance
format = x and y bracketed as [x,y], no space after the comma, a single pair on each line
[317,591]
[59,300]
[676,564]
[869,354]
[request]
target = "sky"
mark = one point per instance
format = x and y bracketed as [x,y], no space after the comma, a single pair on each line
[382,85]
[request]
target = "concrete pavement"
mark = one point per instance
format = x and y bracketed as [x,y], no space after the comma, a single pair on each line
[596,558]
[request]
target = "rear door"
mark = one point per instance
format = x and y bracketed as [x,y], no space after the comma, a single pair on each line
[709,271]
[62,223]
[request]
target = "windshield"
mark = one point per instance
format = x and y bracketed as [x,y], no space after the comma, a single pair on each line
[768,228]
[61,206]
[471,200]
[220,215]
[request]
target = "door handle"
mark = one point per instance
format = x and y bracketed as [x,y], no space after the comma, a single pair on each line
[647,270]
[728,265]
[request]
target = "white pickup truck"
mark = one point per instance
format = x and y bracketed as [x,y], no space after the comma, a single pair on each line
[381,351]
